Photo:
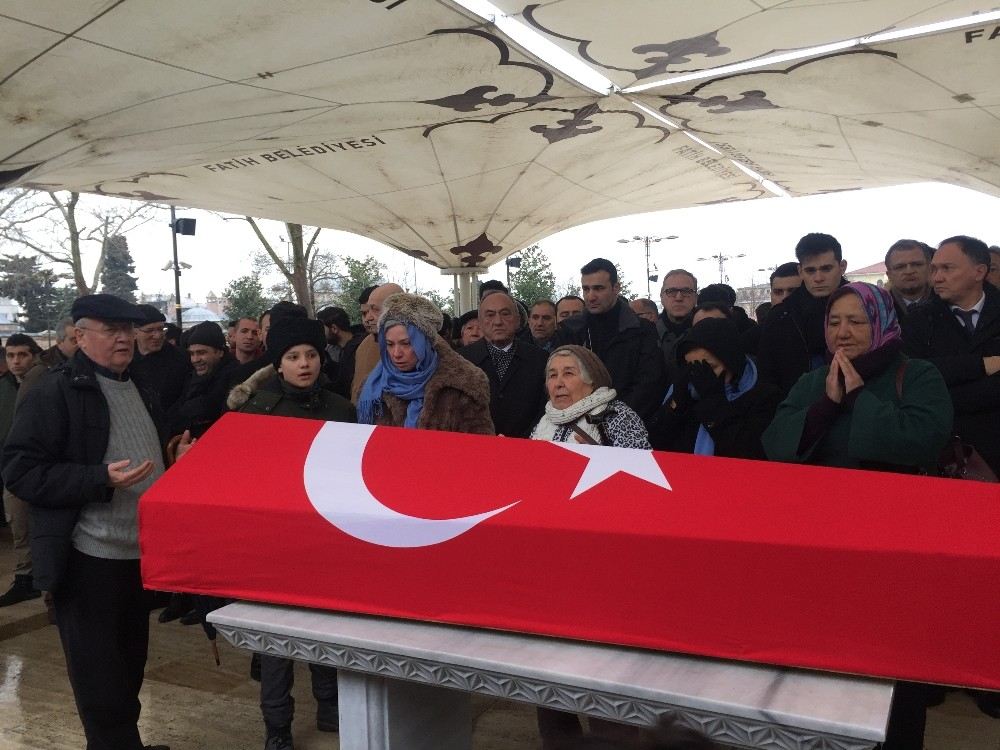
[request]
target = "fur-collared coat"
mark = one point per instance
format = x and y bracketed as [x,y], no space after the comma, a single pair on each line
[456,398]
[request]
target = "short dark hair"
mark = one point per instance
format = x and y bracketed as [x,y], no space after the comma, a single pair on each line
[23,339]
[784,271]
[548,302]
[760,312]
[817,243]
[718,293]
[694,281]
[366,293]
[492,285]
[975,249]
[722,307]
[899,245]
[601,264]
[569,296]
[334,316]
[233,323]
[648,304]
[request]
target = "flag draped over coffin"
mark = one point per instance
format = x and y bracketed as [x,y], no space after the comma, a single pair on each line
[871,573]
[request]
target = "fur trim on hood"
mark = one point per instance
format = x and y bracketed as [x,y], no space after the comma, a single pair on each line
[245,391]
[412,308]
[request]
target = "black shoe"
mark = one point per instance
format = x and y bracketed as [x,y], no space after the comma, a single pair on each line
[327,716]
[21,591]
[193,617]
[279,739]
[988,702]
[255,667]
[176,609]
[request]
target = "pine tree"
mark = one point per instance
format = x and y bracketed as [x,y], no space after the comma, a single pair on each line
[116,276]
[35,289]
[358,274]
[245,298]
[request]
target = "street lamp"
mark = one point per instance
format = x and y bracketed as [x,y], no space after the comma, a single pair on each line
[513,261]
[179,226]
[647,241]
[722,259]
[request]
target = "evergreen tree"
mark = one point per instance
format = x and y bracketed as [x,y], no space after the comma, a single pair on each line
[626,290]
[358,274]
[444,303]
[245,298]
[116,276]
[534,280]
[35,289]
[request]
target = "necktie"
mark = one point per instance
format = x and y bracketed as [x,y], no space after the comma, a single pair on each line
[966,318]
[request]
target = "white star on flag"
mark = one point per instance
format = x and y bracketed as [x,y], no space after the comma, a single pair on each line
[604,461]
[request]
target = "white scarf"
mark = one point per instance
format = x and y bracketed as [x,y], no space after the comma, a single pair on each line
[554,418]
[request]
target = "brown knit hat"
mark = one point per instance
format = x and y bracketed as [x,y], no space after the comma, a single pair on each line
[588,361]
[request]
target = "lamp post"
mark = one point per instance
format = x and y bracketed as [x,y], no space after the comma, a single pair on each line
[179,226]
[647,241]
[722,259]
[511,262]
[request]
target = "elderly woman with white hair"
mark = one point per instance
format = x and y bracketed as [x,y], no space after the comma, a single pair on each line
[583,407]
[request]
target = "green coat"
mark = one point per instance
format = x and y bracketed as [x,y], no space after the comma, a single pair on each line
[882,430]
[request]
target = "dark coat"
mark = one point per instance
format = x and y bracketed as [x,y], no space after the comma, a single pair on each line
[517,401]
[932,332]
[164,372]
[882,430]
[52,357]
[633,358]
[203,400]
[263,393]
[792,339]
[668,334]
[54,458]
[456,398]
[735,426]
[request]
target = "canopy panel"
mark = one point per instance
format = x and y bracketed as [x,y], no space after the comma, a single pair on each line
[416,124]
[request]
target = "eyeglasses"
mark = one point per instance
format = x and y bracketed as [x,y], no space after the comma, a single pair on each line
[112,329]
[151,329]
[673,291]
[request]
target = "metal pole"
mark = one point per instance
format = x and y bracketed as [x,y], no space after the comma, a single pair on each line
[648,294]
[177,270]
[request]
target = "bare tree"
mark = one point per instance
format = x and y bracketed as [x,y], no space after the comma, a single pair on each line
[60,226]
[295,268]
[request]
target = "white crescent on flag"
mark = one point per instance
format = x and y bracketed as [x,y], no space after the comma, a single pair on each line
[337,490]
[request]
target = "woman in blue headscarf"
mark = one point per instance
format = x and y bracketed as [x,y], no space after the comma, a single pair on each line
[420,381]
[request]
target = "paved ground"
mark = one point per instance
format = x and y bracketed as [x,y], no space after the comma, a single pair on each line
[191,704]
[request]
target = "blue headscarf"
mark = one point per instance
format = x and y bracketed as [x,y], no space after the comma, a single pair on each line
[387,378]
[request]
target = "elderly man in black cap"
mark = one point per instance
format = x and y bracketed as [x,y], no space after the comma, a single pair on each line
[84,446]
[164,368]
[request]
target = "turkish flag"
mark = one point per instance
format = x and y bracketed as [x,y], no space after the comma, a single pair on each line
[878,574]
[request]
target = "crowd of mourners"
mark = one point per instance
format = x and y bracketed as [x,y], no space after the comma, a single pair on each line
[902,378]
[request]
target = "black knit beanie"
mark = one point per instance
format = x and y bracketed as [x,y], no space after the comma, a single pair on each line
[719,336]
[205,334]
[292,331]
[286,309]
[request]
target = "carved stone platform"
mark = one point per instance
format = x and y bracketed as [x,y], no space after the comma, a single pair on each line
[734,703]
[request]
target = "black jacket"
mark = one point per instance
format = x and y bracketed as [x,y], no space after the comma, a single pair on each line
[633,358]
[792,339]
[735,426]
[53,458]
[517,401]
[203,400]
[932,332]
[164,372]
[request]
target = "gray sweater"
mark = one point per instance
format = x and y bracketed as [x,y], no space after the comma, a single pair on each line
[111,530]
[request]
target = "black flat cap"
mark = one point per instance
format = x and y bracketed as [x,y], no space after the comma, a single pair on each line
[106,307]
[152,314]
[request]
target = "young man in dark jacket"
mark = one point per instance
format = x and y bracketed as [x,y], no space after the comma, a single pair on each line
[83,448]
[626,344]
[792,340]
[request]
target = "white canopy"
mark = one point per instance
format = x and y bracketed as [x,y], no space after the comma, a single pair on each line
[418,124]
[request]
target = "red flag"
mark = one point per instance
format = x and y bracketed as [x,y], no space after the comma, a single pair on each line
[872,573]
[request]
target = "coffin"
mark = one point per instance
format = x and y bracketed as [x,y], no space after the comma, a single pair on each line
[877,574]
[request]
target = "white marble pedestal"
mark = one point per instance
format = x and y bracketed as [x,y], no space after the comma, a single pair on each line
[407,684]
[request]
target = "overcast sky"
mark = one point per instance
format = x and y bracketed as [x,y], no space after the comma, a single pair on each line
[764,231]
